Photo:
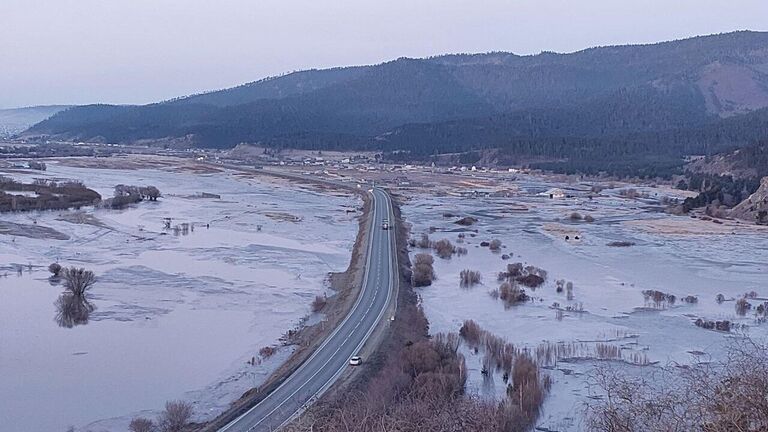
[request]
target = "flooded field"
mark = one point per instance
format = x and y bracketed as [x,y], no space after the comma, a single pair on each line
[180,305]
[629,247]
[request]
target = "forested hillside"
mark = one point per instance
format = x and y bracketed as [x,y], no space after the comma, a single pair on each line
[630,105]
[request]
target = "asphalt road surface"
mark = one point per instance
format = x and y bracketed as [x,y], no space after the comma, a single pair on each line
[325,365]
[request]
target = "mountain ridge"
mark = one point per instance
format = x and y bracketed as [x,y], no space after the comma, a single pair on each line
[594,94]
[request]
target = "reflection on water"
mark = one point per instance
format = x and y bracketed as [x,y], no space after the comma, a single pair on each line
[72,310]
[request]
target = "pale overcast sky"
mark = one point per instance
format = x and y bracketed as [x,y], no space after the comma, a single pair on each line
[139,51]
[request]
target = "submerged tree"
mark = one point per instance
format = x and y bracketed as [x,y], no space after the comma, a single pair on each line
[78,280]
[150,192]
[73,307]
[55,269]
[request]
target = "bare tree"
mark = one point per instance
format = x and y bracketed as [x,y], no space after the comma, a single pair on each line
[141,424]
[703,397]
[78,280]
[176,415]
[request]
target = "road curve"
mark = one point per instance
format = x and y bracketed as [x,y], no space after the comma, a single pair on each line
[325,365]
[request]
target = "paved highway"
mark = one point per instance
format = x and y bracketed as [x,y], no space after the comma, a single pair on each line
[325,365]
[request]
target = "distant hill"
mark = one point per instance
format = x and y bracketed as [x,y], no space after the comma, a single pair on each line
[17,120]
[620,100]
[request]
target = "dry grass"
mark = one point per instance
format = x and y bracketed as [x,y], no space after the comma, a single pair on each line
[468,278]
[526,392]
[550,353]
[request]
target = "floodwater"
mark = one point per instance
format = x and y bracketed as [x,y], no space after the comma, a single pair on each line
[608,305]
[178,312]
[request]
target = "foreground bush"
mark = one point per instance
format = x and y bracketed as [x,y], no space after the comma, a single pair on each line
[176,416]
[141,424]
[705,397]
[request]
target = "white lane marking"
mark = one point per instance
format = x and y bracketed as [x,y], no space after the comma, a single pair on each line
[371,236]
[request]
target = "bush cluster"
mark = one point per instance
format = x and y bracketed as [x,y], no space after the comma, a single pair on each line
[422,272]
